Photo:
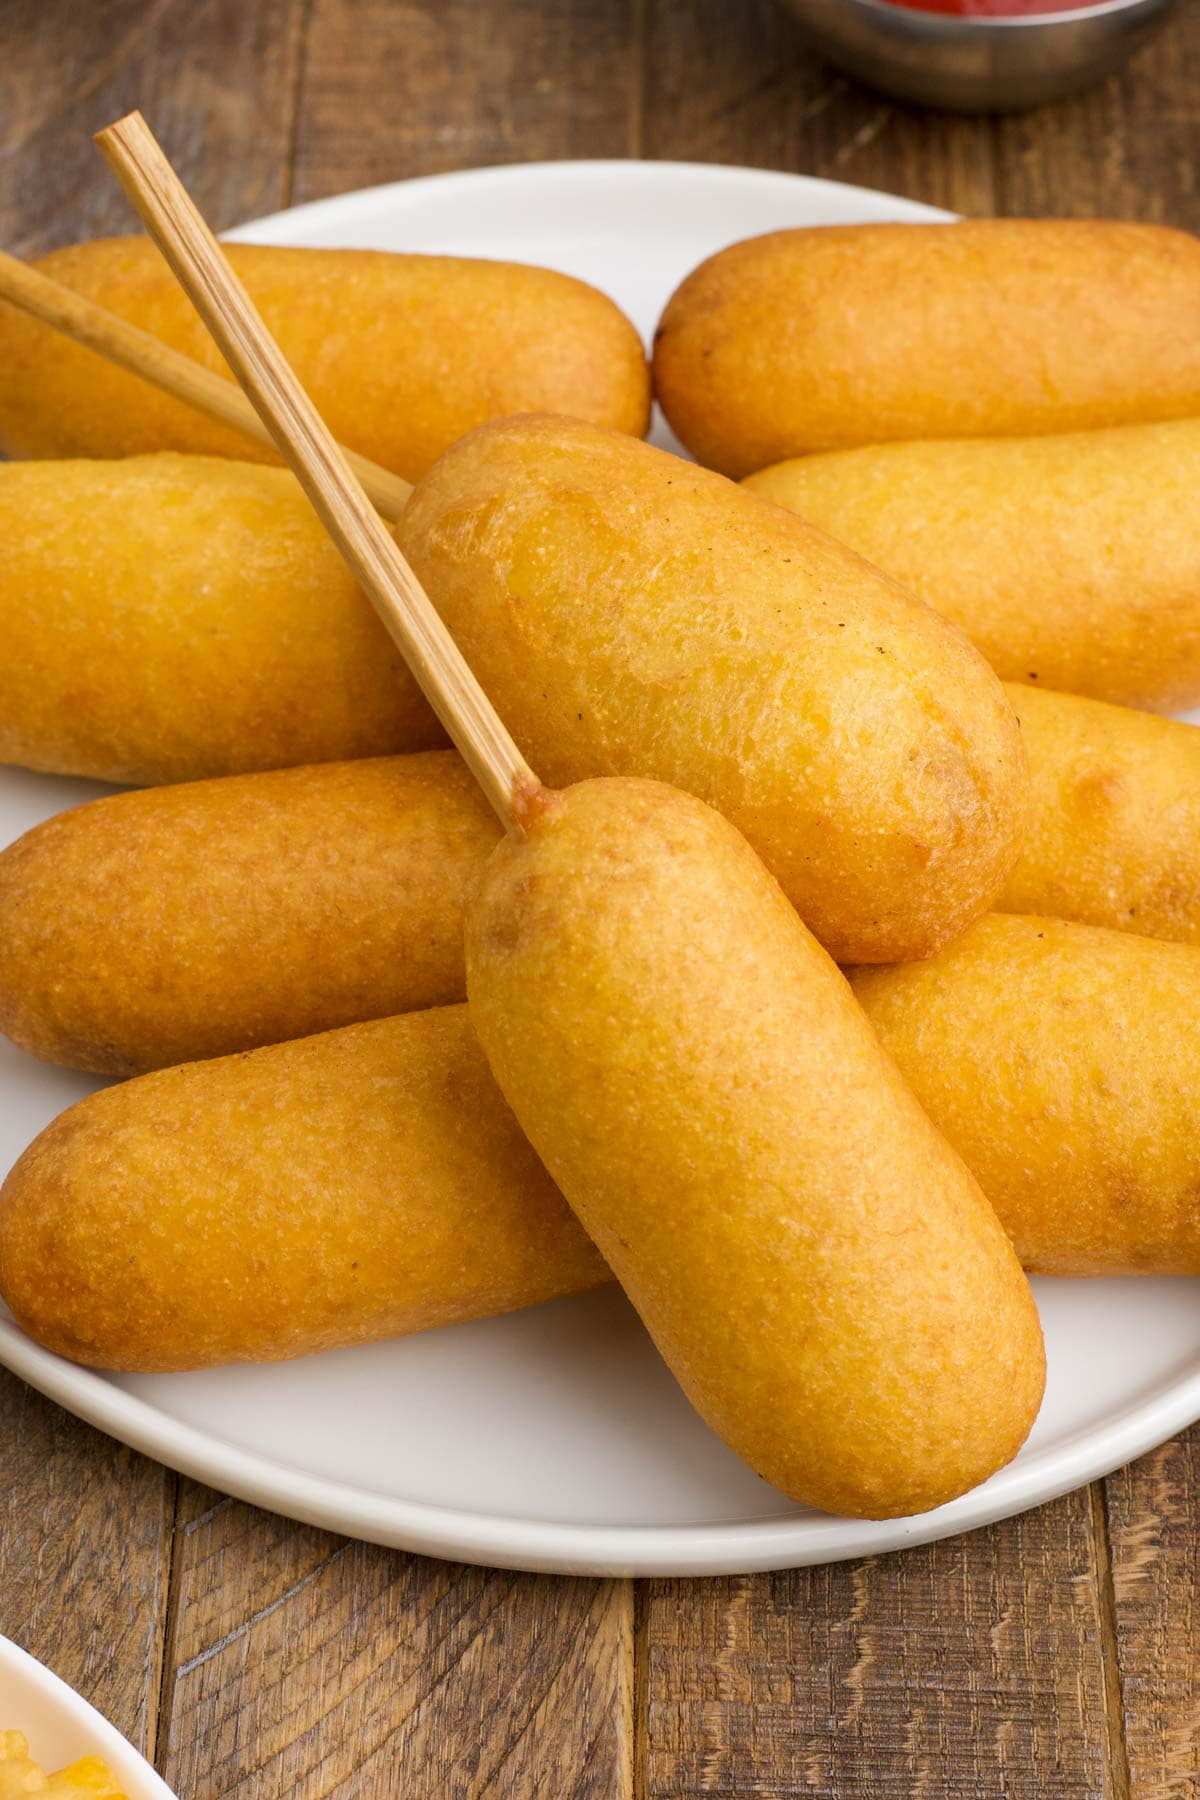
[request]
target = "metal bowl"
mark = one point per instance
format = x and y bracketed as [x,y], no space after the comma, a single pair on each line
[976,64]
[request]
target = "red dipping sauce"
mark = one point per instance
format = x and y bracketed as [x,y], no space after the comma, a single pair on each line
[992,9]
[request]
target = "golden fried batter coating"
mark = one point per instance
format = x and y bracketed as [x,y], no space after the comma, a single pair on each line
[632,614]
[1113,836]
[171,617]
[353,1186]
[401,354]
[1071,562]
[191,921]
[831,336]
[1063,1064]
[820,1271]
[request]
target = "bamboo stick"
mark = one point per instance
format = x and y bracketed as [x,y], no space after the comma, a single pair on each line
[320,466]
[144,355]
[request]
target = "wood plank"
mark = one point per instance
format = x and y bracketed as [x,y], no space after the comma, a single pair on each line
[1126,149]
[969,1668]
[738,84]
[85,1532]
[392,91]
[1152,1512]
[216,79]
[305,1664]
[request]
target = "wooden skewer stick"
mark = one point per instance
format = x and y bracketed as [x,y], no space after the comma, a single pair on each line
[142,354]
[305,442]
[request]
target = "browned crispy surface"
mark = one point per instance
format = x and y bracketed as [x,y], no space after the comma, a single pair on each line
[171,617]
[828,337]
[173,923]
[152,1225]
[632,614]
[1071,562]
[208,917]
[401,354]
[816,1265]
[1114,825]
[358,1185]
[1063,1064]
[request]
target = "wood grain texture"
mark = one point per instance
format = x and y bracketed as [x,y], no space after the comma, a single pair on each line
[1154,1531]
[970,1668]
[85,1538]
[738,84]
[1125,149]
[304,1664]
[216,79]
[392,90]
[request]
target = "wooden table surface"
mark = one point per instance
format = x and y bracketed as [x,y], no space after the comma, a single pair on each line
[1053,1655]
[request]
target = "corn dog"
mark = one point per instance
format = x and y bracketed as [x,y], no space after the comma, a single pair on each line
[631,614]
[821,1273]
[168,924]
[829,337]
[857,741]
[98,1256]
[593,897]
[1113,836]
[1061,1062]
[134,936]
[401,353]
[353,1186]
[171,617]
[1070,562]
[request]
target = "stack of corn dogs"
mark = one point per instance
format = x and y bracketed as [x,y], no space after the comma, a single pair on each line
[910,624]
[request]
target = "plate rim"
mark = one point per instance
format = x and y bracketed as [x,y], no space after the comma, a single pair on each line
[110,1744]
[552,1546]
[556,1546]
[564,169]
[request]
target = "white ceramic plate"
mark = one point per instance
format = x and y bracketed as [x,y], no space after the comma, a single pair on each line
[61,1726]
[555,1439]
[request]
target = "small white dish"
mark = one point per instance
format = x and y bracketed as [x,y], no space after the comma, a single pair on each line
[62,1727]
[556,1439]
